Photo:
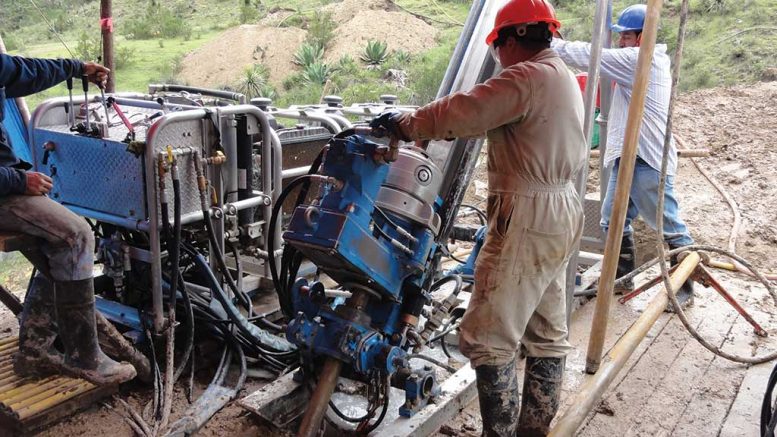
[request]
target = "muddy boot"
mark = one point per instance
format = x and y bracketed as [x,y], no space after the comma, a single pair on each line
[498,397]
[626,264]
[541,394]
[685,293]
[83,356]
[37,354]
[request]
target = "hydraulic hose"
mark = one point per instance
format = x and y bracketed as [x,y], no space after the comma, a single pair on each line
[253,332]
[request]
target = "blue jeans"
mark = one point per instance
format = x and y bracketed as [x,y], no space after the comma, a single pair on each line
[643,200]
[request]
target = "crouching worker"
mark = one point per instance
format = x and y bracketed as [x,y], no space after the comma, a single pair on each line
[60,301]
[533,115]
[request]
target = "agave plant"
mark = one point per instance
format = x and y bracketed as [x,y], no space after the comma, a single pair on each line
[308,54]
[375,53]
[402,57]
[254,82]
[317,73]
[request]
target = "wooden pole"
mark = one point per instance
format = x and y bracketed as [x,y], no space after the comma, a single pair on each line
[589,394]
[625,174]
[106,26]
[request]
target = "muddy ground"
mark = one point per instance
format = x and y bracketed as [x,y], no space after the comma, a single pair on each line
[739,126]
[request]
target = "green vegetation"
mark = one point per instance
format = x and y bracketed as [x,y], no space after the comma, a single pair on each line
[375,53]
[729,42]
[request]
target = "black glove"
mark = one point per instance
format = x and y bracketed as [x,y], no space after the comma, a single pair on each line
[387,124]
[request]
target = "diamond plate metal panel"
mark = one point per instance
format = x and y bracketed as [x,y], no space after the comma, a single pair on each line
[93,173]
[180,135]
[593,238]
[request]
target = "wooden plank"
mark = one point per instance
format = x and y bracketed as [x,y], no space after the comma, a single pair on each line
[626,396]
[717,388]
[745,415]
[278,403]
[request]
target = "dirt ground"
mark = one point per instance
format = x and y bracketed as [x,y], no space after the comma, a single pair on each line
[223,60]
[696,393]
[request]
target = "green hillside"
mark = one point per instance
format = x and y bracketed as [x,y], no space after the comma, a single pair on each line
[729,41]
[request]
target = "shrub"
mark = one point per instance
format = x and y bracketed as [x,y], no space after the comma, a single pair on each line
[89,48]
[321,29]
[375,53]
[309,54]
[402,57]
[316,73]
[158,22]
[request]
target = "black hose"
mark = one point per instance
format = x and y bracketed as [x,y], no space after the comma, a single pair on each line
[280,287]
[240,322]
[241,295]
[187,304]
[768,416]
[445,279]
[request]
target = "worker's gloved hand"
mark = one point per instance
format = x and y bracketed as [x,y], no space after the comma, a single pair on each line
[388,123]
[97,73]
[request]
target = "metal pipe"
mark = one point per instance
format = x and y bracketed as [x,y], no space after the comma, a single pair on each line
[590,393]
[277,187]
[302,114]
[319,400]
[592,85]
[134,224]
[240,98]
[295,172]
[462,45]
[259,199]
[625,175]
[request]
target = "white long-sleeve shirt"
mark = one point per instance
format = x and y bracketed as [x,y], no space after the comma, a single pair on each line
[620,65]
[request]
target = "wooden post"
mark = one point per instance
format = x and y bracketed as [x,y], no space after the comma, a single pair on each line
[106,26]
[625,174]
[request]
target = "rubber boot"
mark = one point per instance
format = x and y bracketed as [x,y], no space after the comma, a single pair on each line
[685,293]
[498,396]
[626,264]
[83,356]
[37,354]
[541,394]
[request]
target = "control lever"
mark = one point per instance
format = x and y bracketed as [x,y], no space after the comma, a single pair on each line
[85,85]
[130,128]
[69,111]
[105,107]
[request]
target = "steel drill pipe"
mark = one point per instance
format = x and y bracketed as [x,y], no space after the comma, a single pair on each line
[625,175]
[319,401]
[591,392]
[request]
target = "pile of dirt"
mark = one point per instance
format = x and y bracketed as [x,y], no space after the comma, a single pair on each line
[739,126]
[223,60]
[399,30]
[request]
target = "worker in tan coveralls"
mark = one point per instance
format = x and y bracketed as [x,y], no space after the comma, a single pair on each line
[533,115]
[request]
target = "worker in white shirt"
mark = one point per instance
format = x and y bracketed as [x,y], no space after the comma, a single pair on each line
[619,65]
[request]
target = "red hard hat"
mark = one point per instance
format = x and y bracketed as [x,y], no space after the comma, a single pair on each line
[524,12]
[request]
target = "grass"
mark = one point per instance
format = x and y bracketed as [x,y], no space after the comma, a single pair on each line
[14,271]
[152,62]
[716,53]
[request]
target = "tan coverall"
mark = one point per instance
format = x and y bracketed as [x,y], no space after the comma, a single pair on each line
[533,115]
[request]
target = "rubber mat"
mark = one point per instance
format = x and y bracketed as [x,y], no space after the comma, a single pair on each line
[28,404]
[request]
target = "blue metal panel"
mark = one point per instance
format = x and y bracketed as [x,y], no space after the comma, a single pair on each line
[95,174]
[17,131]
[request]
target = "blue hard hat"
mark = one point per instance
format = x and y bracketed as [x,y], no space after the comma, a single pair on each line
[632,18]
